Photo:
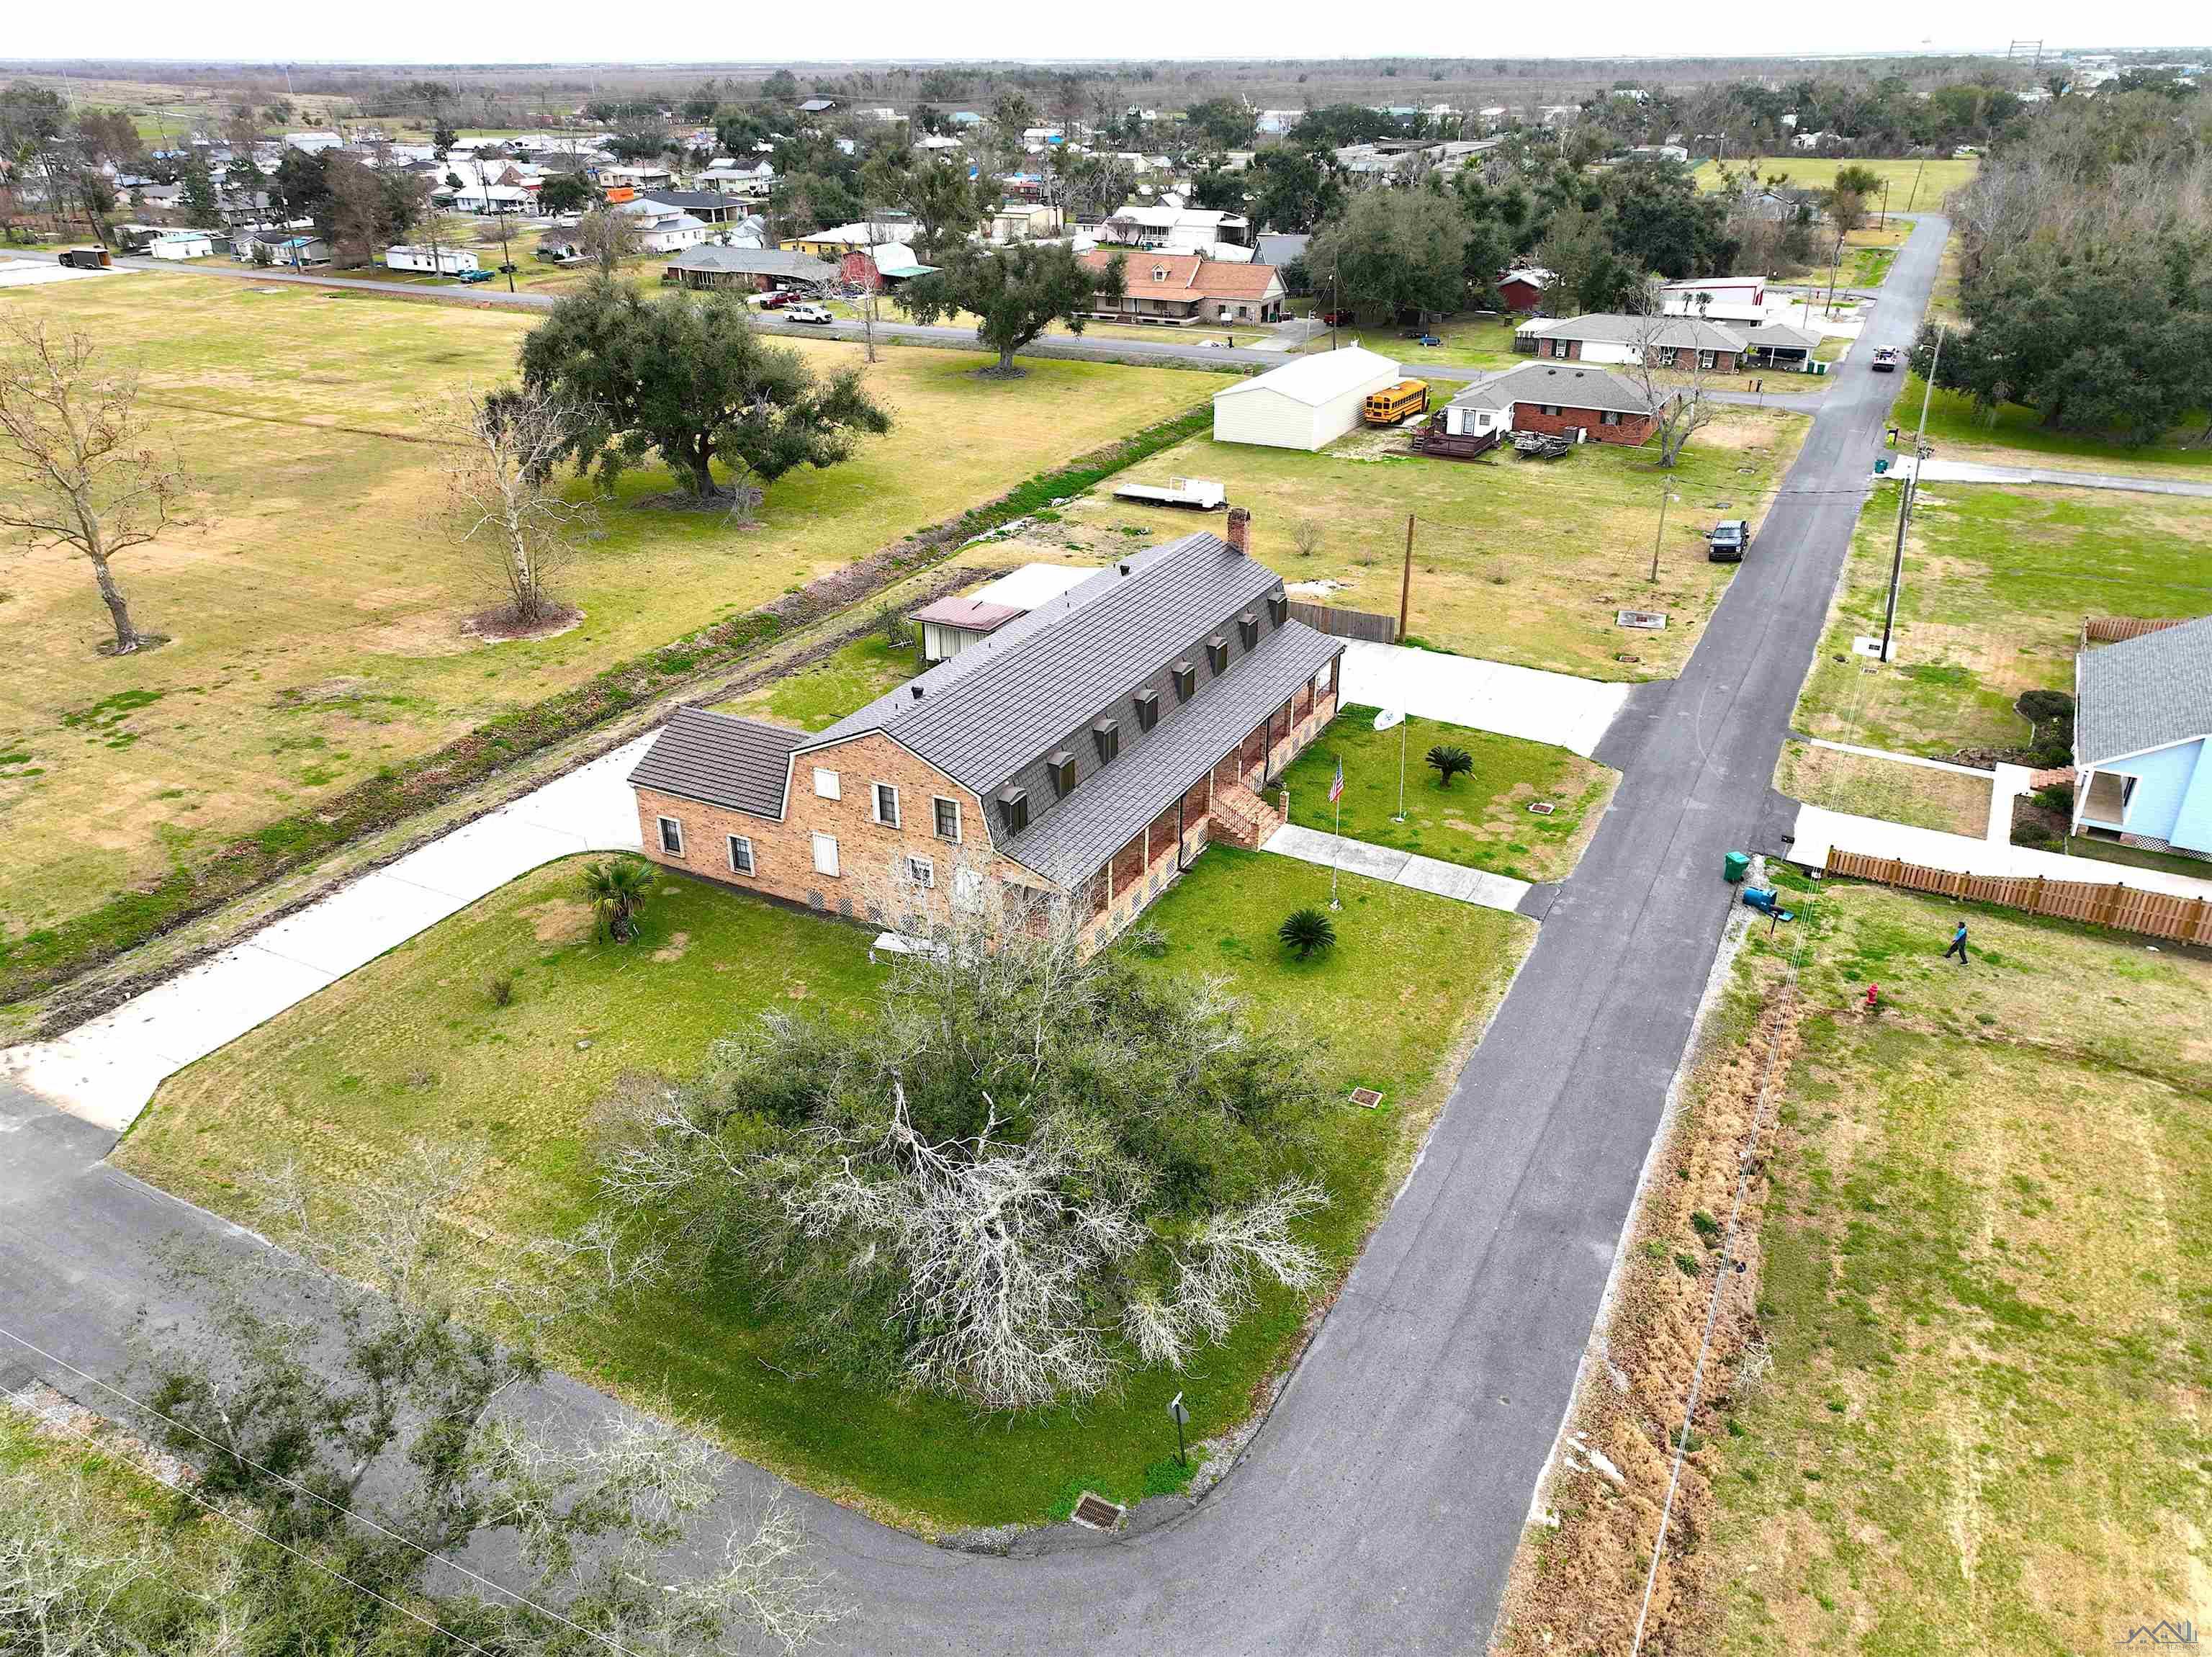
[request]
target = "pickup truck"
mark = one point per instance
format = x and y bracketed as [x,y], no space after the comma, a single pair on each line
[1885,359]
[1728,540]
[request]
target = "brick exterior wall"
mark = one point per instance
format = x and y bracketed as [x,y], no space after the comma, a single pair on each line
[1633,429]
[867,886]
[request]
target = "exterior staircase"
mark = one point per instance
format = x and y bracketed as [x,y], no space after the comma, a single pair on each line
[1241,817]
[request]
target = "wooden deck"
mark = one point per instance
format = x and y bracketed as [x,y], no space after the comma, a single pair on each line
[1428,440]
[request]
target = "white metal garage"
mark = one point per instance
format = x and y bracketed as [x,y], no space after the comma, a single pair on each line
[1306,403]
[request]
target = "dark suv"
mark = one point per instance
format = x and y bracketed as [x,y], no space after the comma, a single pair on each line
[1728,540]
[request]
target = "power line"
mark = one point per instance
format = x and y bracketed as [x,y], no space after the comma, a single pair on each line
[339,1508]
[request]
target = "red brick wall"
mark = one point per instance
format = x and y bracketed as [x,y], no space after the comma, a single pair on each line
[1633,429]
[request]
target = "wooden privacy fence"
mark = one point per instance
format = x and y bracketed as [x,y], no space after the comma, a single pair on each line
[1363,625]
[2157,914]
[2112,629]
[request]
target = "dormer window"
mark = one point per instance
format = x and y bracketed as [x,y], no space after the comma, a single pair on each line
[1186,680]
[1062,765]
[1107,733]
[1279,608]
[1014,809]
[1148,708]
[1216,654]
[1248,627]
[1159,273]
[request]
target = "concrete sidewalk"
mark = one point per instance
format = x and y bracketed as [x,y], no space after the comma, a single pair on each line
[106,1070]
[1821,831]
[1484,696]
[1454,880]
[1973,472]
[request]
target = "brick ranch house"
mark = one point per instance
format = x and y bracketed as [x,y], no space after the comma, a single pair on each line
[1670,342]
[1082,756]
[1178,288]
[1547,397]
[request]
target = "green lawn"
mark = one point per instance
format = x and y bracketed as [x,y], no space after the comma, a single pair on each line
[316,614]
[1996,581]
[1482,820]
[2011,435]
[414,1045]
[1520,561]
[1987,1295]
[1913,185]
[1887,788]
[819,695]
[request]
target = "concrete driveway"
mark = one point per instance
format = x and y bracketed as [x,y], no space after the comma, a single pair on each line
[1488,696]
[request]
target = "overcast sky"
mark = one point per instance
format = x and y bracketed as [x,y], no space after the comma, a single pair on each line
[569,31]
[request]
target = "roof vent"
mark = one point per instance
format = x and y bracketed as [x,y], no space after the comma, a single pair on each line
[1123,568]
[917,692]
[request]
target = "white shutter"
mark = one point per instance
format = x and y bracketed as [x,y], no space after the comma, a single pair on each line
[825,854]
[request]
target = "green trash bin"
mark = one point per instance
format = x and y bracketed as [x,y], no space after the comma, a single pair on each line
[1880,464]
[1734,865]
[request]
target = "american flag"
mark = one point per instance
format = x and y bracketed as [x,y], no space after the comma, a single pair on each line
[1336,784]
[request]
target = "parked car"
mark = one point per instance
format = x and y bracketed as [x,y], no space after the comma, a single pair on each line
[1426,339]
[808,314]
[1885,359]
[778,299]
[1727,542]
[474,277]
[1338,319]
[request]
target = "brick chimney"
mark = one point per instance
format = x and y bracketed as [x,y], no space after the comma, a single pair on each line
[1240,529]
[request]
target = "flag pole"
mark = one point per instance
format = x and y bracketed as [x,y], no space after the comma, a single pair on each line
[1335,851]
[1400,817]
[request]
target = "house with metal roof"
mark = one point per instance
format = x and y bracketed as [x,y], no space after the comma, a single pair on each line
[710,264]
[2143,739]
[1679,342]
[1077,758]
[946,626]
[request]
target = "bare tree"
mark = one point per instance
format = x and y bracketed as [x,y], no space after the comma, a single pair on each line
[1672,374]
[500,503]
[1306,535]
[86,473]
[609,236]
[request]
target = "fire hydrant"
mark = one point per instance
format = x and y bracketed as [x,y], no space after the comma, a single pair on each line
[1873,996]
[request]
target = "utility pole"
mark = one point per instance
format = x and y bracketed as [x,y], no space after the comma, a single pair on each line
[1883,223]
[1406,582]
[1917,172]
[1656,534]
[1905,500]
[1335,296]
[1834,271]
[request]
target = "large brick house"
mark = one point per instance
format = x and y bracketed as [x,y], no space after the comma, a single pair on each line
[1668,342]
[1080,756]
[1181,288]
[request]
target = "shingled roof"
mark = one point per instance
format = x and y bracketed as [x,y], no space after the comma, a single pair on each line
[1185,276]
[1558,385]
[720,760]
[2144,693]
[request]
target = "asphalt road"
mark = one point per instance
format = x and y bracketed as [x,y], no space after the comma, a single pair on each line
[1378,1508]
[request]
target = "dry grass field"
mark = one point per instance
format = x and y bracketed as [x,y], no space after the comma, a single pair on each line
[1913,185]
[1887,788]
[1521,561]
[315,618]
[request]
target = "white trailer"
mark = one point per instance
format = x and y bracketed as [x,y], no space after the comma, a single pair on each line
[1206,494]
[444,261]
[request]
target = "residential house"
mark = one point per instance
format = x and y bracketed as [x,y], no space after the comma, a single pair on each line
[663,229]
[1025,221]
[443,261]
[1075,760]
[1716,299]
[1521,289]
[1781,345]
[708,206]
[1171,226]
[1665,342]
[313,142]
[818,107]
[887,265]
[1182,289]
[749,181]
[2143,739]
[1309,402]
[759,269]
[945,627]
[638,176]
[1589,404]
[1278,247]
[840,239]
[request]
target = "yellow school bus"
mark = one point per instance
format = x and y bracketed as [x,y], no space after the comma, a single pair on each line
[1391,404]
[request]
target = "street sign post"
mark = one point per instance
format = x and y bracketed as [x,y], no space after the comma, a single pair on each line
[1181,1415]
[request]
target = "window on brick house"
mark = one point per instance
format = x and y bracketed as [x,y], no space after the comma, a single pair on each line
[1014,806]
[741,854]
[825,854]
[947,813]
[672,836]
[1186,680]
[921,871]
[826,785]
[1279,608]
[886,805]
[1107,733]
[1608,417]
[1062,765]
[1147,703]
[1248,629]
[1216,654]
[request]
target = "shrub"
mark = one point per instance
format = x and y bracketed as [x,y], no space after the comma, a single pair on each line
[2058,796]
[500,989]
[2032,832]
[1448,760]
[1705,1225]
[1306,931]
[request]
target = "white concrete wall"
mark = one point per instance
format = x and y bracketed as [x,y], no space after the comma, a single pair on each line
[1268,417]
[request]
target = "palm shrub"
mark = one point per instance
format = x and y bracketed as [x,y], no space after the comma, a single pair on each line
[1448,760]
[616,888]
[1307,931]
